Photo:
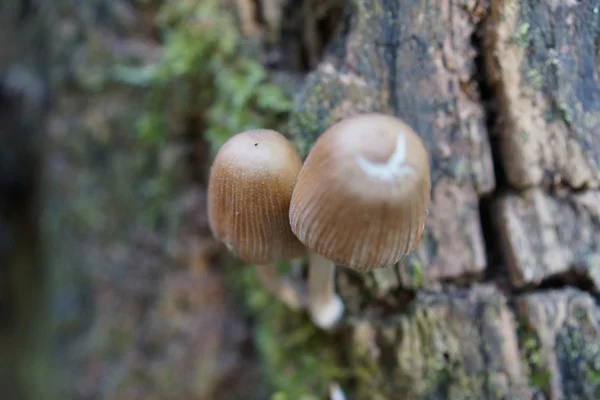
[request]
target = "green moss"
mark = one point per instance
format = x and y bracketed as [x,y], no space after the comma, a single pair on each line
[299,359]
[591,119]
[203,76]
[565,112]
[384,279]
[305,125]
[425,345]
[419,358]
[533,358]
[535,79]
[373,383]
[324,99]
[415,273]
[578,357]
[521,36]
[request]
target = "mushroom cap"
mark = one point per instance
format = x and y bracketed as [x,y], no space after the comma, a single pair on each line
[363,193]
[249,192]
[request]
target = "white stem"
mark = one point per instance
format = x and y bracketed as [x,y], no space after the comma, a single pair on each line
[285,289]
[325,306]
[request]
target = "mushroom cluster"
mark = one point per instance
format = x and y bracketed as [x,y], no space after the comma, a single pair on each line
[359,200]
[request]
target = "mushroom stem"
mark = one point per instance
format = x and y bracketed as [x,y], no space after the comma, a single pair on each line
[325,306]
[285,289]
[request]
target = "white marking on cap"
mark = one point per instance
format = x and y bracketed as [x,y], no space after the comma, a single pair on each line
[395,165]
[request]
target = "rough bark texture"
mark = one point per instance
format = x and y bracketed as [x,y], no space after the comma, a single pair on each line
[539,77]
[545,236]
[23,109]
[561,339]
[542,60]
[542,63]
[459,345]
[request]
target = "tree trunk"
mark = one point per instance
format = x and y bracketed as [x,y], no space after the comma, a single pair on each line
[499,301]
[505,280]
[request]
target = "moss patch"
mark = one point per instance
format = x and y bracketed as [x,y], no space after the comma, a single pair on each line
[533,358]
[299,359]
[204,77]
[578,355]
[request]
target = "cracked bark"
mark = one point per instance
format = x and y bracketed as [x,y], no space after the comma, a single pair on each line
[417,60]
[542,62]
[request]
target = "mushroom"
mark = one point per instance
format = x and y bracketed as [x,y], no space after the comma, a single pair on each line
[249,192]
[360,200]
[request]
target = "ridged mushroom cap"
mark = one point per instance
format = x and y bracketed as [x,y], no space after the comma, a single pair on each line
[362,195]
[249,192]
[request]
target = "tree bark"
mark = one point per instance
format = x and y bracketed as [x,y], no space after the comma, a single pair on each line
[543,66]
[506,97]
[499,301]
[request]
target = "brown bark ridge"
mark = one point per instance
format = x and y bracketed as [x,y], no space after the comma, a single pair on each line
[417,60]
[24,82]
[543,65]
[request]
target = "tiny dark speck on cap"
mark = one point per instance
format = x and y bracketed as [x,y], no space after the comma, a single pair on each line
[256,144]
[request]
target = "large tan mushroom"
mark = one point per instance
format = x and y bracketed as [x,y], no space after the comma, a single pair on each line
[249,192]
[360,200]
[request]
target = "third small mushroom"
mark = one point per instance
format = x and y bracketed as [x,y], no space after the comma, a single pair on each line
[360,200]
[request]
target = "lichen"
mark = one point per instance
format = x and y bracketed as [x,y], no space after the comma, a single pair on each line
[521,36]
[426,360]
[535,79]
[306,124]
[578,356]
[365,352]
[533,358]
[421,359]
[327,96]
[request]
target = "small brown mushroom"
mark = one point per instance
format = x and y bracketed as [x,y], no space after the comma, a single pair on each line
[249,192]
[360,200]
